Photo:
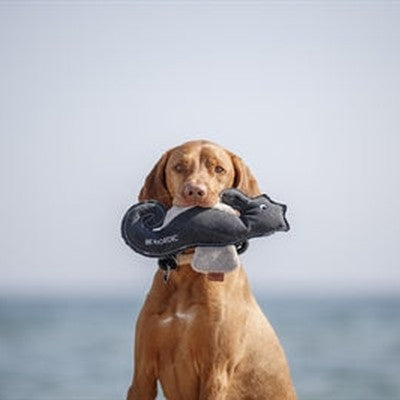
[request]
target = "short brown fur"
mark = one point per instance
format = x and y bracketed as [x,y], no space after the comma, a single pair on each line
[203,339]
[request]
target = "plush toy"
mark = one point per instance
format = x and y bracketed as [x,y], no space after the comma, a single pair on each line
[153,232]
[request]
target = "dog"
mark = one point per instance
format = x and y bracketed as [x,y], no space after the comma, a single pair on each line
[203,336]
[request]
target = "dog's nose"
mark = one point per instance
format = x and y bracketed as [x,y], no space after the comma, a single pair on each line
[192,191]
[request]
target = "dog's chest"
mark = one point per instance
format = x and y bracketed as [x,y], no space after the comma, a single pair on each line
[181,316]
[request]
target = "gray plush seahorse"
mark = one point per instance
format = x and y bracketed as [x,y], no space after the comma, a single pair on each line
[145,229]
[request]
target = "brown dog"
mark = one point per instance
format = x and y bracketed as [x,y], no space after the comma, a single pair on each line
[203,339]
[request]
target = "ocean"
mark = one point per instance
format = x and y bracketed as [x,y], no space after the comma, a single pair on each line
[339,348]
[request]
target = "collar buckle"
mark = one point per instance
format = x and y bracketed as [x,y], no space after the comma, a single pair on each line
[167,264]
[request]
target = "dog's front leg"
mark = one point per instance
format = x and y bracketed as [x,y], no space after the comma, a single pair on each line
[144,385]
[143,388]
[215,386]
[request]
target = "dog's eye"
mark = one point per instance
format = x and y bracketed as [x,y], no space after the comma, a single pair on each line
[179,168]
[219,169]
[263,206]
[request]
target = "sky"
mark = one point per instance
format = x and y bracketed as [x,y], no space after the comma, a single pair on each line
[92,93]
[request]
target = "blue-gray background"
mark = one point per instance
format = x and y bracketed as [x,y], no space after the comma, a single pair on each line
[92,93]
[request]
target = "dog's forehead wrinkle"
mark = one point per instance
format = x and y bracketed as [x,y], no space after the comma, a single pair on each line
[214,155]
[201,150]
[189,159]
[185,151]
[180,156]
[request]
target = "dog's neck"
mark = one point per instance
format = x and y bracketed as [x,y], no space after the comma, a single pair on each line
[184,278]
[186,289]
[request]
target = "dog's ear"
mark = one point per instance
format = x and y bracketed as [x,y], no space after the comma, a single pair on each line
[155,187]
[244,179]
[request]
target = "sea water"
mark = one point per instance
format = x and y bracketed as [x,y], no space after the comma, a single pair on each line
[338,348]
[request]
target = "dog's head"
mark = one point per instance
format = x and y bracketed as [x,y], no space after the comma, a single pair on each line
[195,173]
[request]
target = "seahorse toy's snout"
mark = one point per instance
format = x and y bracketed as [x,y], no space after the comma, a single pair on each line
[260,214]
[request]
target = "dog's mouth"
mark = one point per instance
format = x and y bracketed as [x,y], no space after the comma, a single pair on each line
[206,203]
